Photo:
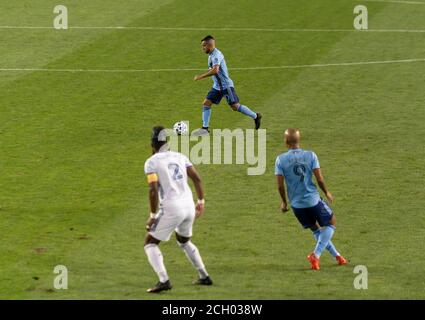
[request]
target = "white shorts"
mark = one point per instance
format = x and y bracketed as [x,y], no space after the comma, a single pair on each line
[176,216]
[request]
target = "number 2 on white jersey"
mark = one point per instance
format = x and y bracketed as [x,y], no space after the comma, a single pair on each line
[175,171]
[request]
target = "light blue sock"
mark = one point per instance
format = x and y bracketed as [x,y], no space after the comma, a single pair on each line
[247,111]
[206,115]
[330,247]
[323,240]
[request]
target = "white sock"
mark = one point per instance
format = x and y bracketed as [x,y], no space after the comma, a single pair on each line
[192,253]
[156,260]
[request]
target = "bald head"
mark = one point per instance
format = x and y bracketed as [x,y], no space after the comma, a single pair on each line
[292,137]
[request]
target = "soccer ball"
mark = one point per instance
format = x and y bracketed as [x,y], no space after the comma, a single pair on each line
[180,128]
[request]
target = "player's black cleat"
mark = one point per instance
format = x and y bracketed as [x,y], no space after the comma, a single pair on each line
[258,121]
[160,286]
[203,282]
[204,131]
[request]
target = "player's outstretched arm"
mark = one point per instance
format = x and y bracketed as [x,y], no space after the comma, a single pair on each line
[321,182]
[194,176]
[213,71]
[282,192]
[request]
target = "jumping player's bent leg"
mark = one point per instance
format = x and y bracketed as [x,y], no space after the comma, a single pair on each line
[248,112]
[244,110]
[233,101]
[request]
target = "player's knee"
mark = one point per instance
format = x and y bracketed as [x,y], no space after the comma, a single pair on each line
[207,103]
[182,245]
[314,227]
[181,240]
[235,107]
[151,240]
[148,246]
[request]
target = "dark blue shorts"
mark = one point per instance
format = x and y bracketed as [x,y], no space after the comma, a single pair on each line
[320,213]
[216,95]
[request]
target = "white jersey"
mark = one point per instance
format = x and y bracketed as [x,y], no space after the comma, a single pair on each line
[171,169]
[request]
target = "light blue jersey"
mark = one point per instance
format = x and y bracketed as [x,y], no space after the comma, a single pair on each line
[222,79]
[297,167]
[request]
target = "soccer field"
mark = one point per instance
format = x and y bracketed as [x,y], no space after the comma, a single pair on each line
[73,142]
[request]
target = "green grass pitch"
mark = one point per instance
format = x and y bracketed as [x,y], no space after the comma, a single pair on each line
[73,145]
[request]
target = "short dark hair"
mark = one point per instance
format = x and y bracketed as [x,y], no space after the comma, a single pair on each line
[208,38]
[158,139]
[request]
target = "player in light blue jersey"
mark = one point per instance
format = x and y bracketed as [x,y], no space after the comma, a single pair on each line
[223,87]
[296,168]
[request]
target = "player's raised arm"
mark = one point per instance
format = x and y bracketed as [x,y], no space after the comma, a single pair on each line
[321,182]
[194,176]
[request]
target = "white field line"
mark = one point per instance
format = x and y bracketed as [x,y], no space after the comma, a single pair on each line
[324,65]
[218,29]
